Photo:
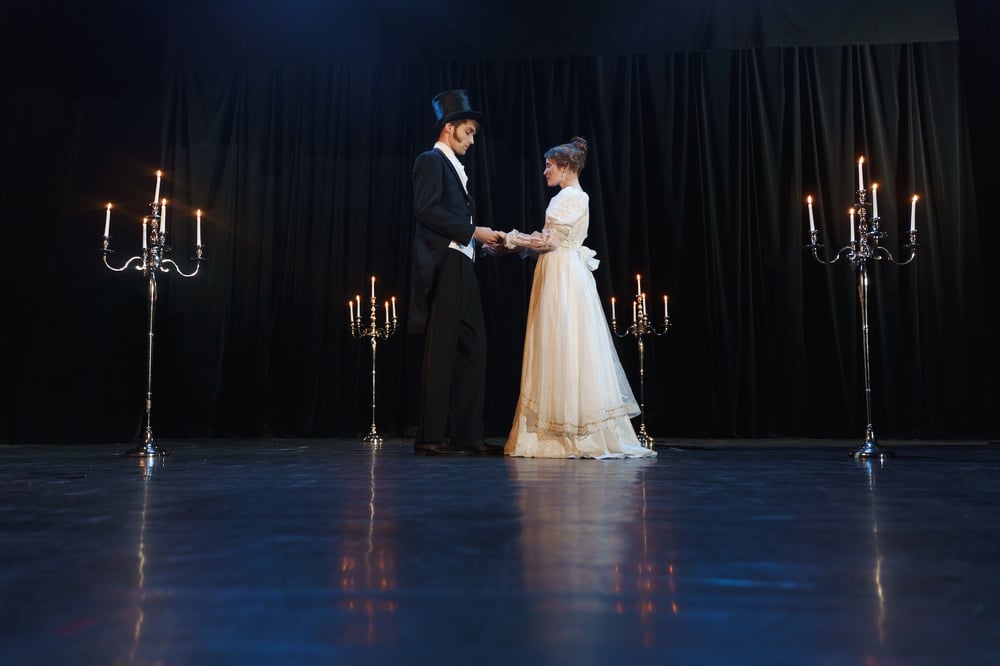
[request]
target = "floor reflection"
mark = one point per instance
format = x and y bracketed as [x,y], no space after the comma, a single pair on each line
[368,569]
[871,469]
[147,467]
[585,544]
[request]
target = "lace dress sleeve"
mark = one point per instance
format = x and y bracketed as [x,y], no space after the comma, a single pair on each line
[537,241]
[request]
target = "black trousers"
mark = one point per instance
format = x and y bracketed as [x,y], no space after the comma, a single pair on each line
[453,383]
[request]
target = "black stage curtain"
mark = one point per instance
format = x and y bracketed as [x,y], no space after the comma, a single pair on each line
[698,171]
[708,127]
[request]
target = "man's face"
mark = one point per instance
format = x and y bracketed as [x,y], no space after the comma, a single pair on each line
[460,136]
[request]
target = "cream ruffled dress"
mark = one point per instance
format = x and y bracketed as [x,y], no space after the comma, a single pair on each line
[575,400]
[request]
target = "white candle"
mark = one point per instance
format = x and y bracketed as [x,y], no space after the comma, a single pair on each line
[357,298]
[387,312]
[350,310]
[156,194]
[198,237]
[875,200]
[145,222]
[633,312]
[163,217]
[638,284]
[666,313]
[613,316]
[812,220]
[107,222]
[644,305]
[373,286]
[861,180]
[852,225]
[913,213]
[393,307]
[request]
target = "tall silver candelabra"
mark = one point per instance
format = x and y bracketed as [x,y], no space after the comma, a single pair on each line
[864,246]
[152,261]
[374,333]
[641,327]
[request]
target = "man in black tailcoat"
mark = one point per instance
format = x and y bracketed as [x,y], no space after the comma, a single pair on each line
[445,304]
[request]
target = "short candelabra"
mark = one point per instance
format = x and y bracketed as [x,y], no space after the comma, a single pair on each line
[374,332]
[642,327]
[151,261]
[863,247]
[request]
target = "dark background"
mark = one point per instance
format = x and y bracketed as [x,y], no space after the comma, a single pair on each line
[294,125]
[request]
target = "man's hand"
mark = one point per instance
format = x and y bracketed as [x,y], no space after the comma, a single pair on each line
[488,236]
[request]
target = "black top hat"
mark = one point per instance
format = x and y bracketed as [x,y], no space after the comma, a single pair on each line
[452,105]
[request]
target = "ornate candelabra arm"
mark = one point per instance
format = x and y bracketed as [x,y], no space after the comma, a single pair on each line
[177,268]
[844,252]
[911,247]
[658,332]
[814,246]
[127,263]
[882,253]
[614,329]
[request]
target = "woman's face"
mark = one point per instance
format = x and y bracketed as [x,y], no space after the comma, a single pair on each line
[554,174]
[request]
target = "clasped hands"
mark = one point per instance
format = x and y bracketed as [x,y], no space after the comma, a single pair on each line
[493,242]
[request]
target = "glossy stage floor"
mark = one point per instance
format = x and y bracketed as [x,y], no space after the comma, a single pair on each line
[323,552]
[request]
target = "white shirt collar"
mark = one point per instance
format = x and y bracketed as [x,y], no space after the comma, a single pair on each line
[459,167]
[446,149]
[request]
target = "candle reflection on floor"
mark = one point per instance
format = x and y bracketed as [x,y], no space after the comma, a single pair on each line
[367,571]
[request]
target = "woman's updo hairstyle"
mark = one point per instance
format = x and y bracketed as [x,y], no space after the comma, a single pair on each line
[572,154]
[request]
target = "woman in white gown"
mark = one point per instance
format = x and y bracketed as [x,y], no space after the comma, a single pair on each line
[575,400]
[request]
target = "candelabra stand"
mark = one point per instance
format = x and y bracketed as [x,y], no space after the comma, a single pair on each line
[151,262]
[642,326]
[863,248]
[374,333]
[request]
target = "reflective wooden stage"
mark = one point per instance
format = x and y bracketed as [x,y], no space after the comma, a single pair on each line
[324,551]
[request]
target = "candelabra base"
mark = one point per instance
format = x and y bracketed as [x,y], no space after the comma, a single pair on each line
[645,439]
[148,449]
[870,449]
[373,439]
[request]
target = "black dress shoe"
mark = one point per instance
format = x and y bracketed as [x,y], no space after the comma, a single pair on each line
[482,448]
[438,449]
[425,447]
